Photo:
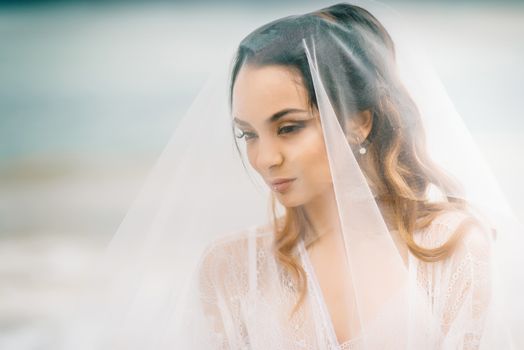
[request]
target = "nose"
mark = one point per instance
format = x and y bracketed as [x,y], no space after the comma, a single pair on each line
[268,155]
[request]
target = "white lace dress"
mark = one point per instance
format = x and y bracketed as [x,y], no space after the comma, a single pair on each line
[246,298]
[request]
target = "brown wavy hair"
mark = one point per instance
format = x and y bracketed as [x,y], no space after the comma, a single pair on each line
[396,165]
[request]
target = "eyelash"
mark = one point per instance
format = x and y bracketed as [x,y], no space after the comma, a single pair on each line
[244,135]
[293,128]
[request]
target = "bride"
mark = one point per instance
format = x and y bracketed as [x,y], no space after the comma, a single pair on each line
[371,244]
[276,113]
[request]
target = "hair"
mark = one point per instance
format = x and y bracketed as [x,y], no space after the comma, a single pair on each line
[397,163]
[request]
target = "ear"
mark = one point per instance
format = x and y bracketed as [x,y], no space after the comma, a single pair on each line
[359,126]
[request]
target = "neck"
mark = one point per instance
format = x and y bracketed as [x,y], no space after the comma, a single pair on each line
[324,218]
[323,215]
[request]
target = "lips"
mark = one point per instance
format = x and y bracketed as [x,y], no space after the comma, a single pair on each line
[281,184]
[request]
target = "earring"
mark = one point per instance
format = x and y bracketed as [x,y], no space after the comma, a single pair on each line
[362,149]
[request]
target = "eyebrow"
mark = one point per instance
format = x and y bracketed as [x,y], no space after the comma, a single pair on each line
[274,117]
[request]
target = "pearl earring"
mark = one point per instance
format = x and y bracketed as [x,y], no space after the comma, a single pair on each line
[362,150]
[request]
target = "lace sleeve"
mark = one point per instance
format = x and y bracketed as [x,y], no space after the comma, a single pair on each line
[467,291]
[221,290]
[209,297]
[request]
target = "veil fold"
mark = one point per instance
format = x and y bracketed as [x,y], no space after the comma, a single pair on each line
[194,266]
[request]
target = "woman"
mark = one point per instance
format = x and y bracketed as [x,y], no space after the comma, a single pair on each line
[370,244]
[275,109]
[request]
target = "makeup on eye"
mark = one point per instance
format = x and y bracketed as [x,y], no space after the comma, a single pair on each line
[245,135]
[275,117]
[295,126]
[291,128]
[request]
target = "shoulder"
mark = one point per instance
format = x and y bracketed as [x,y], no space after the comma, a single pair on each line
[231,252]
[474,235]
[239,241]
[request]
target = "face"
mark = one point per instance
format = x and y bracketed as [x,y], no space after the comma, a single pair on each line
[283,136]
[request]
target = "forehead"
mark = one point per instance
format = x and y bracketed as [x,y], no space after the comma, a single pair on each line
[259,92]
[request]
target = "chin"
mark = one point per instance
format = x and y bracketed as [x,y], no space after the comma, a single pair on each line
[288,200]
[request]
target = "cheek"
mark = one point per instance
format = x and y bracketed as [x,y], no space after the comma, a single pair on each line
[251,157]
[313,159]
[318,166]
[252,151]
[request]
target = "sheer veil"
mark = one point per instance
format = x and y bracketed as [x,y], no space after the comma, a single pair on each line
[193,263]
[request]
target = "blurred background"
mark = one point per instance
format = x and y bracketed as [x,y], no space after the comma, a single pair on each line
[90,93]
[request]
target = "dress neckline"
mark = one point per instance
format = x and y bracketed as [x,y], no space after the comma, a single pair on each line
[317,293]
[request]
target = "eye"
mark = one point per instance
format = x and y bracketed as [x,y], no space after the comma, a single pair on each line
[289,128]
[245,135]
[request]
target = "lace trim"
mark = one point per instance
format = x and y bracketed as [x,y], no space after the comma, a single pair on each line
[348,345]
